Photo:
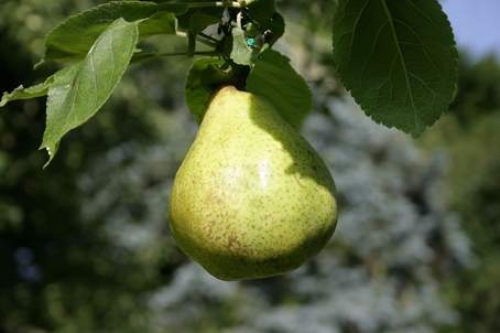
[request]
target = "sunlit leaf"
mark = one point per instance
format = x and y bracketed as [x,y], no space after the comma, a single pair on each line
[72,39]
[78,95]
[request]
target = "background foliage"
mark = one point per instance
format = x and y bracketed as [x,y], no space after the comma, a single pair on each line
[84,245]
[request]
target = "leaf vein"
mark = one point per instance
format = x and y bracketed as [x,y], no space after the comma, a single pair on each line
[403,62]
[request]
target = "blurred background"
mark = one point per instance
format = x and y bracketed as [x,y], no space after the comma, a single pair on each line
[85,245]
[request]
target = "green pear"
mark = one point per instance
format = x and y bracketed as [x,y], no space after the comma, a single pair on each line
[252,198]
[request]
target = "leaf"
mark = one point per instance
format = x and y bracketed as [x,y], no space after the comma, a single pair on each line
[204,78]
[72,39]
[37,90]
[261,10]
[275,79]
[199,21]
[398,59]
[277,27]
[24,93]
[159,23]
[80,91]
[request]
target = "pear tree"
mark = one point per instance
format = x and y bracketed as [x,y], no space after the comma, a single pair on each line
[264,202]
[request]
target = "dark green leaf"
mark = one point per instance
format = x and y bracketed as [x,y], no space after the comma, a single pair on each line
[81,90]
[195,21]
[261,10]
[274,78]
[157,24]
[277,27]
[199,18]
[199,21]
[398,59]
[205,77]
[73,38]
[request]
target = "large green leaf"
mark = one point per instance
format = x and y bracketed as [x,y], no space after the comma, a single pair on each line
[78,93]
[274,78]
[73,38]
[398,59]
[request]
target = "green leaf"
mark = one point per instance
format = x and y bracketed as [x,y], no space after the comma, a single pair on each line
[38,90]
[80,91]
[24,93]
[398,59]
[205,77]
[198,21]
[261,10]
[274,78]
[195,21]
[72,39]
[158,24]
[277,27]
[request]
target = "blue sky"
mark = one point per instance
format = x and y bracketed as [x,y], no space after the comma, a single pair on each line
[476,24]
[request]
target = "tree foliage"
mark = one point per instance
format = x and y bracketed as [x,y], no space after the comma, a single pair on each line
[84,246]
[409,92]
[470,135]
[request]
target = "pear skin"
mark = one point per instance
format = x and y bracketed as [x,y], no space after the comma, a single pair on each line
[252,198]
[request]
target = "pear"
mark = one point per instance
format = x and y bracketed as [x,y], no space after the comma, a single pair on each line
[252,198]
